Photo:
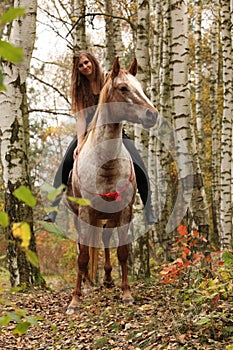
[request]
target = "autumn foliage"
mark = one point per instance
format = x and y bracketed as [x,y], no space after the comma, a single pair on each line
[188,259]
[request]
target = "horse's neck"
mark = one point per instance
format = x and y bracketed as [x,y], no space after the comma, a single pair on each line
[108,131]
[104,142]
[106,128]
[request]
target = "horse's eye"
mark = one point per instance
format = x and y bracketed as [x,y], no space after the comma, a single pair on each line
[123,89]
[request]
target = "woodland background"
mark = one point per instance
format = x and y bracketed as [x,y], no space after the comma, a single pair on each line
[184,51]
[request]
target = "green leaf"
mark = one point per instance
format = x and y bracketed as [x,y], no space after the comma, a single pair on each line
[4,219]
[47,188]
[11,14]
[52,191]
[53,195]
[33,320]
[32,257]
[13,316]
[2,86]
[227,257]
[203,321]
[49,226]
[10,53]
[21,313]
[51,209]
[80,201]
[25,195]
[5,320]
[21,328]
[200,299]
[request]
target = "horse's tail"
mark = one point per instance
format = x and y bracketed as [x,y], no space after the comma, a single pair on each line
[94,256]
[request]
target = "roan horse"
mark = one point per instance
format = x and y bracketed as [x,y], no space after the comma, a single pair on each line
[104,174]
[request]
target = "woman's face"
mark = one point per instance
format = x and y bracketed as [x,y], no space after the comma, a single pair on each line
[85,66]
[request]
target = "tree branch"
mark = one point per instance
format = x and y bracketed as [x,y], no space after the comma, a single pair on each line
[51,86]
[93,14]
[50,111]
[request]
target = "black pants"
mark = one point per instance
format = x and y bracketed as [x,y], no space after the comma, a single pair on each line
[142,178]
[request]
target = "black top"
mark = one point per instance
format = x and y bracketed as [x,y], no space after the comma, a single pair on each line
[91,110]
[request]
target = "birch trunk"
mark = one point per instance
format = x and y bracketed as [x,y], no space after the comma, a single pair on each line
[157,15]
[164,200]
[110,40]
[5,6]
[142,47]
[79,33]
[215,123]
[15,144]
[140,137]
[153,160]
[198,83]
[117,28]
[226,138]
[188,161]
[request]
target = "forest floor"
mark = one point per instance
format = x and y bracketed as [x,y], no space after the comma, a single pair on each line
[162,317]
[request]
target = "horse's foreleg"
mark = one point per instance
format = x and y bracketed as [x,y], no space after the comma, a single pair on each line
[83,260]
[122,252]
[108,281]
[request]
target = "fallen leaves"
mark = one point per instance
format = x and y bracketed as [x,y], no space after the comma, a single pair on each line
[159,319]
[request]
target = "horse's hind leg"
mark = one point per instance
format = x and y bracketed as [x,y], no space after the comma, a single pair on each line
[108,281]
[83,260]
[122,252]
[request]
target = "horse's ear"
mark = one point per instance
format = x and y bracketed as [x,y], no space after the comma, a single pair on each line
[133,69]
[116,68]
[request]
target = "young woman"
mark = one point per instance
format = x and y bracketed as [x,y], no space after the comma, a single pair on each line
[86,83]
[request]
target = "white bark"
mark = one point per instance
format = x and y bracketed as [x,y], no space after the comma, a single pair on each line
[187,157]
[117,34]
[110,36]
[12,100]
[142,47]
[79,34]
[198,83]
[226,138]
[156,11]
[215,123]
[140,137]
[14,128]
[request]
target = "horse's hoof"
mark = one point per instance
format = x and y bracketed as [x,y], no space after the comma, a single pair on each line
[109,284]
[72,310]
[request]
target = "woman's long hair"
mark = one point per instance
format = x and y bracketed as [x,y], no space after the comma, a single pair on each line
[81,94]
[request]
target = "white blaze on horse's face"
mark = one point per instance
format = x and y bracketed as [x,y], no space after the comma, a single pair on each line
[135,94]
[135,105]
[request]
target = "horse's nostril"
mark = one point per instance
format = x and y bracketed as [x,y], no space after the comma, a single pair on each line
[151,115]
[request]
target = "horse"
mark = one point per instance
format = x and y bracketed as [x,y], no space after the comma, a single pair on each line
[104,174]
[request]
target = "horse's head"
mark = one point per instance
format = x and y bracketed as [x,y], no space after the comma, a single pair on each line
[125,89]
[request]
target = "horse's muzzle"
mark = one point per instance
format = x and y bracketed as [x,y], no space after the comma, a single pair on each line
[151,118]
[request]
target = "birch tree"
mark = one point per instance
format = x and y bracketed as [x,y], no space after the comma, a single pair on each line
[110,35]
[15,147]
[117,27]
[79,34]
[198,82]
[215,122]
[142,45]
[140,137]
[226,138]
[156,15]
[181,112]
[164,201]
[156,10]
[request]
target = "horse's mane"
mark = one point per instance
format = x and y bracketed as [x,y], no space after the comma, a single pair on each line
[102,99]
